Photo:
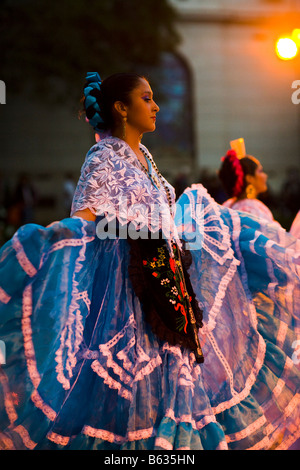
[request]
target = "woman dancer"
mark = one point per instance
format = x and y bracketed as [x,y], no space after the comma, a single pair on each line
[244,180]
[99,311]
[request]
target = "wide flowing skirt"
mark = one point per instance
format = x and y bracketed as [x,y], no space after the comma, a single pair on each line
[83,370]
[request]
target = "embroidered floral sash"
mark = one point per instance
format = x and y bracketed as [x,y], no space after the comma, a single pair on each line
[164,289]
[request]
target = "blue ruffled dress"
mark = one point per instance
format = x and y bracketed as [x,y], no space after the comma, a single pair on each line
[84,370]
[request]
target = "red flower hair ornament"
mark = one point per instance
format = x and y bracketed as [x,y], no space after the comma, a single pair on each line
[232,157]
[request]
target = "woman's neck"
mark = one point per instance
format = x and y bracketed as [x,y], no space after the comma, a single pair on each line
[134,143]
[133,139]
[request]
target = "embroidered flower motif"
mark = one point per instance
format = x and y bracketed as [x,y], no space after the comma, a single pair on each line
[172,283]
[182,288]
[139,195]
[160,264]
[161,253]
[104,199]
[131,179]
[172,264]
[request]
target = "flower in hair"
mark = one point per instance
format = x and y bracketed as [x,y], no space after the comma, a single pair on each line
[93,77]
[232,157]
[91,92]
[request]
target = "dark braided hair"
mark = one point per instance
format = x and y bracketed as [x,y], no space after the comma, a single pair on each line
[233,172]
[99,97]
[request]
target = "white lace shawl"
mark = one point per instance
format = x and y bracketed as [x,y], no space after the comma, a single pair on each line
[113,184]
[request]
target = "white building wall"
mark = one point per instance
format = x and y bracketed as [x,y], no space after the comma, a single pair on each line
[241,88]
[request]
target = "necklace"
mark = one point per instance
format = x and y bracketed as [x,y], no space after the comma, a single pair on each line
[153,177]
[156,180]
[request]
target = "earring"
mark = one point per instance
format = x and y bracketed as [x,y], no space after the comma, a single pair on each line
[250,192]
[124,128]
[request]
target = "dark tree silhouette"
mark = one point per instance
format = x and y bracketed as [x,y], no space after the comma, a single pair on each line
[47,47]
